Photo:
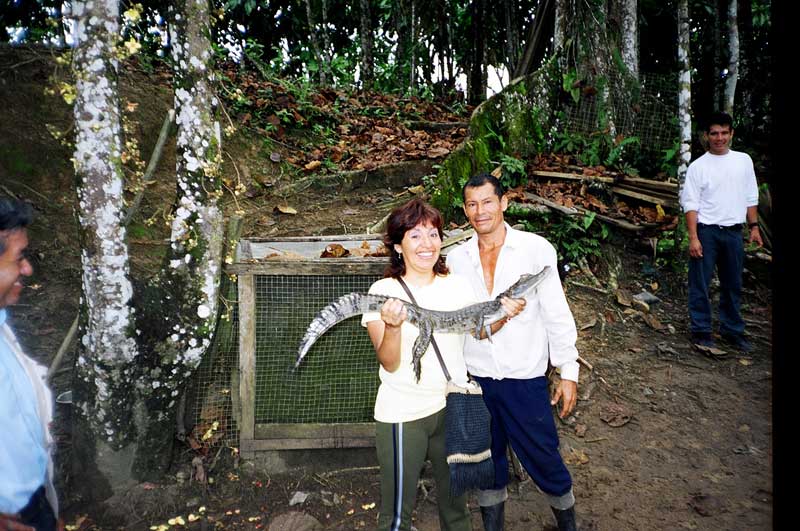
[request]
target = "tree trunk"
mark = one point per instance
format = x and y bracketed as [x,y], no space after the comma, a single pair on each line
[413,47]
[180,332]
[476,85]
[733,57]
[132,367]
[512,35]
[315,45]
[629,36]
[536,40]
[367,42]
[326,44]
[745,24]
[717,46]
[106,351]
[684,90]
[559,25]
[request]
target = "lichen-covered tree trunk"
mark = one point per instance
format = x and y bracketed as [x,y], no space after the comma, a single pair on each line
[412,79]
[107,348]
[629,36]
[133,366]
[367,42]
[180,324]
[684,90]
[733,57]
[559,28]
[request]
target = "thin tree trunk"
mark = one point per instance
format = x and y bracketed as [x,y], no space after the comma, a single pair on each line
[367,42]
[106,351]
[315,46]
[536,41]
[684,91]
[733,57]
[402,25]
[326,43]
[719,87]
[629,36]
[745,24]
[512,37]
[413,48]
[559,25]
[476,84]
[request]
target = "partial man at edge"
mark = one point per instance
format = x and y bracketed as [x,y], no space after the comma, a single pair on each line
[27,497]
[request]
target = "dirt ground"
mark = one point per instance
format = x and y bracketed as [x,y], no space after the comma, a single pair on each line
[664,437]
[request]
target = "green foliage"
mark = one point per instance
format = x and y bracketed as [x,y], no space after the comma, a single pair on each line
[573,237]
[672,248]
[669,159]
[595,149]
[571,85]
[513,171]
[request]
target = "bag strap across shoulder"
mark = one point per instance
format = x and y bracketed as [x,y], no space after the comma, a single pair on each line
[433,339]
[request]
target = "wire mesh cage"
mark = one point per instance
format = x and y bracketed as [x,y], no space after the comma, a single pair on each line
[248,383]
[651,117]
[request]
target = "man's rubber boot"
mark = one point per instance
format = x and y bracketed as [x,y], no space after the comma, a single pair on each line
[493,516]
[565,519]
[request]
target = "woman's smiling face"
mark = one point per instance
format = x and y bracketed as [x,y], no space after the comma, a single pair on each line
[420,247]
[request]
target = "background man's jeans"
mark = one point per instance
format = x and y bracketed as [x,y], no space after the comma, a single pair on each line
[723,248]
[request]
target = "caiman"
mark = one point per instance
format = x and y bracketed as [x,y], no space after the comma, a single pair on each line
[470,319]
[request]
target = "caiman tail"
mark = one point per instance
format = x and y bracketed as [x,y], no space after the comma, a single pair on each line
[342,308]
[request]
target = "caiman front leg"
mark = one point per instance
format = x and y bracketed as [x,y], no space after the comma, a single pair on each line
[480,327]
[421,345]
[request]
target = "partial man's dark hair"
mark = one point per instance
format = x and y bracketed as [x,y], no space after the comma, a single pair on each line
[481,179]
[401,220]
[14,215]
[719,118]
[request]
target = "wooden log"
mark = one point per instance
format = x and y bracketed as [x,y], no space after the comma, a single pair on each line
[327,238]
[634,181]
[247,360]
[312,266]
[555,206]
[435,127]
[573,211]
[572,176]
[622,224]
[452,240]
[315,430]
[650,198]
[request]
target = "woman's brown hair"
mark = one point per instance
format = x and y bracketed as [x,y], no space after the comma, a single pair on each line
[401,220]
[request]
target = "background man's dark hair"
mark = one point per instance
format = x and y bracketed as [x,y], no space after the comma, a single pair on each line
[719,118]
[481,179]
[14,215]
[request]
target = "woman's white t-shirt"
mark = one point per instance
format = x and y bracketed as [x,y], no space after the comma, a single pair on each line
[400,397]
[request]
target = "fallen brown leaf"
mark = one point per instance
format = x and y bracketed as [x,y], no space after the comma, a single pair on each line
[615,415]
[285,209]
[334,250]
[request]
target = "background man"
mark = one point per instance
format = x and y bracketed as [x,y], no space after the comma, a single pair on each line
[27,497]
[511,369]
[719,195]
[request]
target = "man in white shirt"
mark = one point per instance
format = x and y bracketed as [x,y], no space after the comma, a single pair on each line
[27,498]
[719,195]
[511,368]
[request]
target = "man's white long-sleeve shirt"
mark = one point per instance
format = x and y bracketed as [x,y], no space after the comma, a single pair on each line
[520,349]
